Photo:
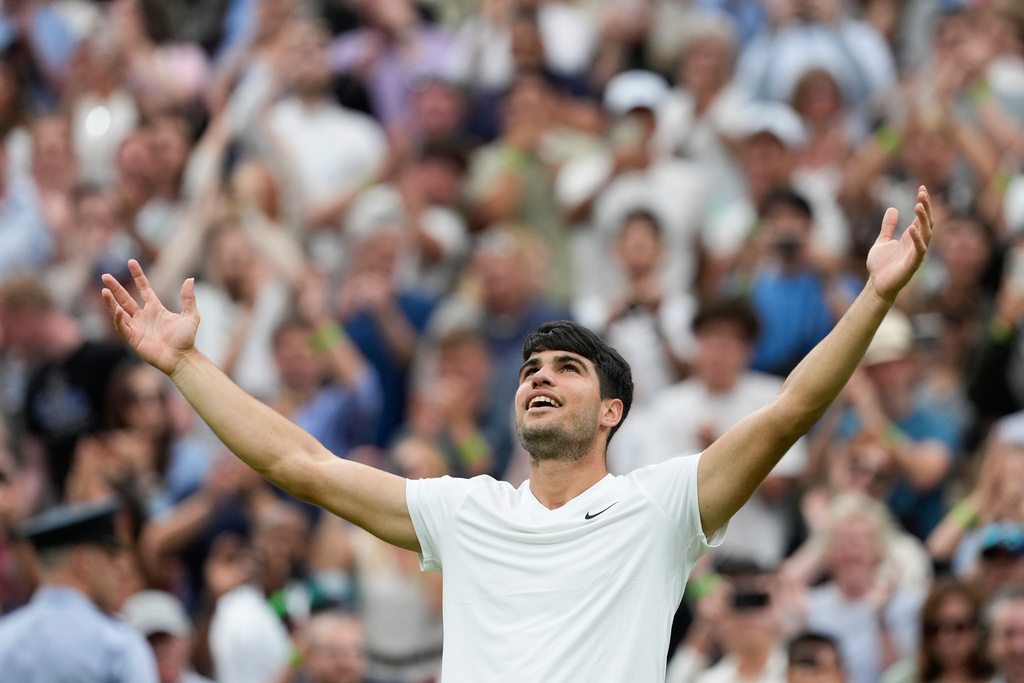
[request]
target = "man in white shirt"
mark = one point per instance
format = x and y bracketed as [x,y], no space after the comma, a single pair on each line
[575,575]
[331,152]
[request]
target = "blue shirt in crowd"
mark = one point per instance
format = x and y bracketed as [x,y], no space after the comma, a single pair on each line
[60,635]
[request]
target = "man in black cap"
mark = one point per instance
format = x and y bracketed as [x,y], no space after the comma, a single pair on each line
[64,633]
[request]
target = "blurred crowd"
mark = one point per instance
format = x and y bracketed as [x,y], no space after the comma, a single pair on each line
[379,199]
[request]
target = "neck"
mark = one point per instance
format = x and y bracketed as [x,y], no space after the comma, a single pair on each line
[63,578]
[555,482]
[750,662]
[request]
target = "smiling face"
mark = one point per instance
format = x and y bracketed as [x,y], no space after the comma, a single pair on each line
[560,414]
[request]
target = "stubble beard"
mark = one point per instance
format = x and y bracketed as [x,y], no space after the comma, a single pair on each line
[556,441]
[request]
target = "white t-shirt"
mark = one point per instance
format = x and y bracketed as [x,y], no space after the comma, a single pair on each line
[249,644]
[585,592]
[328,148]
[674,421]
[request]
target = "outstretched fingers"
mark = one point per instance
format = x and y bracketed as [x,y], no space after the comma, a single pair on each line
[119,295]
[142,282]
[120,316]
[889,223]
[924,212]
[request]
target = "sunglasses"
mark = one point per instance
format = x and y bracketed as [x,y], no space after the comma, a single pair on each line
[956,626]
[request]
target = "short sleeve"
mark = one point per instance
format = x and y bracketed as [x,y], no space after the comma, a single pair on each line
[432,504]
[672,485]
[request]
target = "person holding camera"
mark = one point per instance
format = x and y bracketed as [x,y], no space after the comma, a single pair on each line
[797,299]
[741,619]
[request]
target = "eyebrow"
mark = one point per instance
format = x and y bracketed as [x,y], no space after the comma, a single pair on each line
[558,360]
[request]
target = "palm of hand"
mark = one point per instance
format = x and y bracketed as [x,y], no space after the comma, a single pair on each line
[160,337]
[892,262]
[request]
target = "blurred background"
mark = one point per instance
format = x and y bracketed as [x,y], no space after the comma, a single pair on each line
[380,198]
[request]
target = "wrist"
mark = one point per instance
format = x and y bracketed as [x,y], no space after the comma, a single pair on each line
[965,514]
[185,366]
[327,336]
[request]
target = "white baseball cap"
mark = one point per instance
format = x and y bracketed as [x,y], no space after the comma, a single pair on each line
[635,89]
[154,611]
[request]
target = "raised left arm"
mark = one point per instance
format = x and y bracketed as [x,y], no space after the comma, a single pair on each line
[732,467]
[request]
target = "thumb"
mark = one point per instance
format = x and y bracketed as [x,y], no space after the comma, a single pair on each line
[188,298]
[889,223]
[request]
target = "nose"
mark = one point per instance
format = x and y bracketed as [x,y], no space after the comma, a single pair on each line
[541,377]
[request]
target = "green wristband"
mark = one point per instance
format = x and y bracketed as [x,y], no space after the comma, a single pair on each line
[1000,332]
[327,337]
[472,449]
[964,514]
[888,140]
[703,585]
[980,93]
[891,435]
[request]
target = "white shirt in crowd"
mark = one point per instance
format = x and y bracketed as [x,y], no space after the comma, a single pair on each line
[248,642]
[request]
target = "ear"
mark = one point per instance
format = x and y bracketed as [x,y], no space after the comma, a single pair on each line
[611,412]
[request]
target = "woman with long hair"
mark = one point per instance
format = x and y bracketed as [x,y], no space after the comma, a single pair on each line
[951,648]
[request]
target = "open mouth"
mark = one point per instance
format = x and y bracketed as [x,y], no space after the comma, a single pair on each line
[542,402]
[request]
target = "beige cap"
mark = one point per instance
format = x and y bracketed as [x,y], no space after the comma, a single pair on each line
[894,339]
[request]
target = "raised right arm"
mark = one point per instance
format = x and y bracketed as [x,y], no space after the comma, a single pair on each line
[283,453]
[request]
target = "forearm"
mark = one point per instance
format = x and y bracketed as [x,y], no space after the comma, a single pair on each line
[399,334]
[819,377]
[262,438]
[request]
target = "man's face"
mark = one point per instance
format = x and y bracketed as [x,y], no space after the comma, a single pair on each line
[337,652]
[1006,639]
[723,354]
[815,664]
[558,406]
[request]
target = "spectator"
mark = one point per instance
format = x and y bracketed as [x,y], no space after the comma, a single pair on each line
[334,650]
[422,204]
[924,438]
[687,417]
[650,323]
[392,52]
[245,300]
[952,647]
[795,297]
[66,393]
[249,642]
[805,35]
[742,617]
[330,151]
[509,179]
[814,658]
[600,190]
[399,604]
[64,632]
[874,621]
[384,318]
[508,266]
[161,618]
[1004,623]
[327,386]
[702,109]
[863,466]
[453,407]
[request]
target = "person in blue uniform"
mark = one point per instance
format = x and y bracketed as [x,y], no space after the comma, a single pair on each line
[65,632]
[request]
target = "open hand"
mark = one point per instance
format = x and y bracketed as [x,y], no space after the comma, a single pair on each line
[891,262]
[160,337]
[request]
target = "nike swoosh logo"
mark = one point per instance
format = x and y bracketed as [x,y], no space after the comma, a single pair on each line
[591,516]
